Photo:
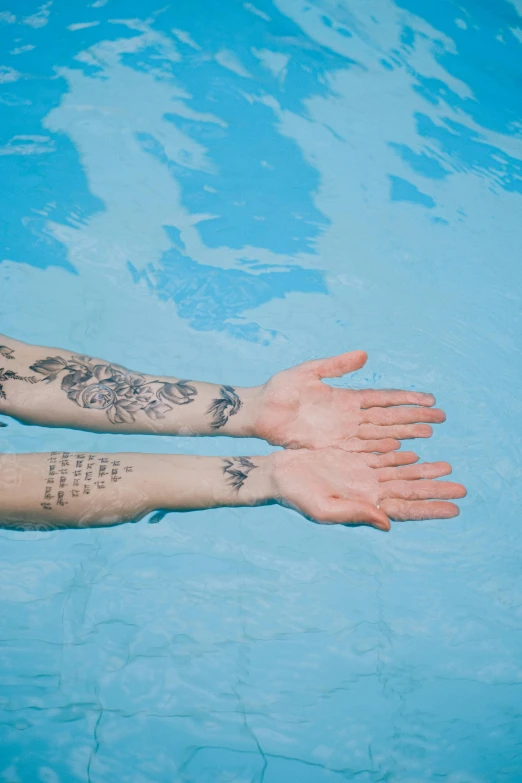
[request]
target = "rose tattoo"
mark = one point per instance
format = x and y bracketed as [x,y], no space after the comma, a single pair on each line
[112,388]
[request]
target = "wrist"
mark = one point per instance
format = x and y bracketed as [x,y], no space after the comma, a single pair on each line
[188,483]
[244,423]
[256,475]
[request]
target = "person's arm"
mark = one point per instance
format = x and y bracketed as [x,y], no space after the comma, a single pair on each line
[63,489]
[54,387]
[70,489]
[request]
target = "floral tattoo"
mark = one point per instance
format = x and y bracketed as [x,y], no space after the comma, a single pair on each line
[224,406]
[10,375]
[112,388]
[236,470]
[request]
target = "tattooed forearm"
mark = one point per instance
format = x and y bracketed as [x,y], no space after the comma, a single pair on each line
[224,406]
[10,375]
[236,470]
[112,388]
[71,476]
[119,395]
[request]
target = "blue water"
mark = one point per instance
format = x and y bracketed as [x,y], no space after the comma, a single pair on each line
[220,190]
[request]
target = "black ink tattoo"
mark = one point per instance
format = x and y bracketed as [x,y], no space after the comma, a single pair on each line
[224,406]
[112,388]
[7,353]
[10,375]
[236,470]
[72,475]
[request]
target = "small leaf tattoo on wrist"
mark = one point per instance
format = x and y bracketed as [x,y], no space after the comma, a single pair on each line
[112,388]
[236,470]
[224,406]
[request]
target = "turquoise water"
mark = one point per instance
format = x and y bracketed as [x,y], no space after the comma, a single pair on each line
[219,190]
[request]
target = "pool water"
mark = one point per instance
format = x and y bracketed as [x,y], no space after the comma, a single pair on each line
[219,190]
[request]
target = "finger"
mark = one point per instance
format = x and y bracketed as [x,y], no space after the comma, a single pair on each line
[382,445]
[421,490]
[341,511]
[403,510]
[392,459]
[402,415]
[383,398]
[426,470]
[400,431]
[334,366]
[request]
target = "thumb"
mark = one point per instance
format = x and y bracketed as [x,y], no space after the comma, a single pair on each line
[358,511]
[334,366]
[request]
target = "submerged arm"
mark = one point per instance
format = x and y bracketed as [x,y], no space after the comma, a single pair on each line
[294,408]
[65,489]
[56,388]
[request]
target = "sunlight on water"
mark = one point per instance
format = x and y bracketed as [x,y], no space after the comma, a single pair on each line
[218,191]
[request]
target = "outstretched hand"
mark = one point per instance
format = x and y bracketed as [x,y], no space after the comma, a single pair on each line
[298,410]
[331,486]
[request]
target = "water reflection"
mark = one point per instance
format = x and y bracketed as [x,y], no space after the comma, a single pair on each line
[230,125]
[214,299]
[485,55]
[468,151]
[233,163]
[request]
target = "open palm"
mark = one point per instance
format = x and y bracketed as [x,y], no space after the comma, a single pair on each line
[298,410]
[332,486]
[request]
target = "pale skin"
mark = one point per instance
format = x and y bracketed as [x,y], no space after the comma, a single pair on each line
[340,465]
[38,491]
[294,408]
[298,410]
